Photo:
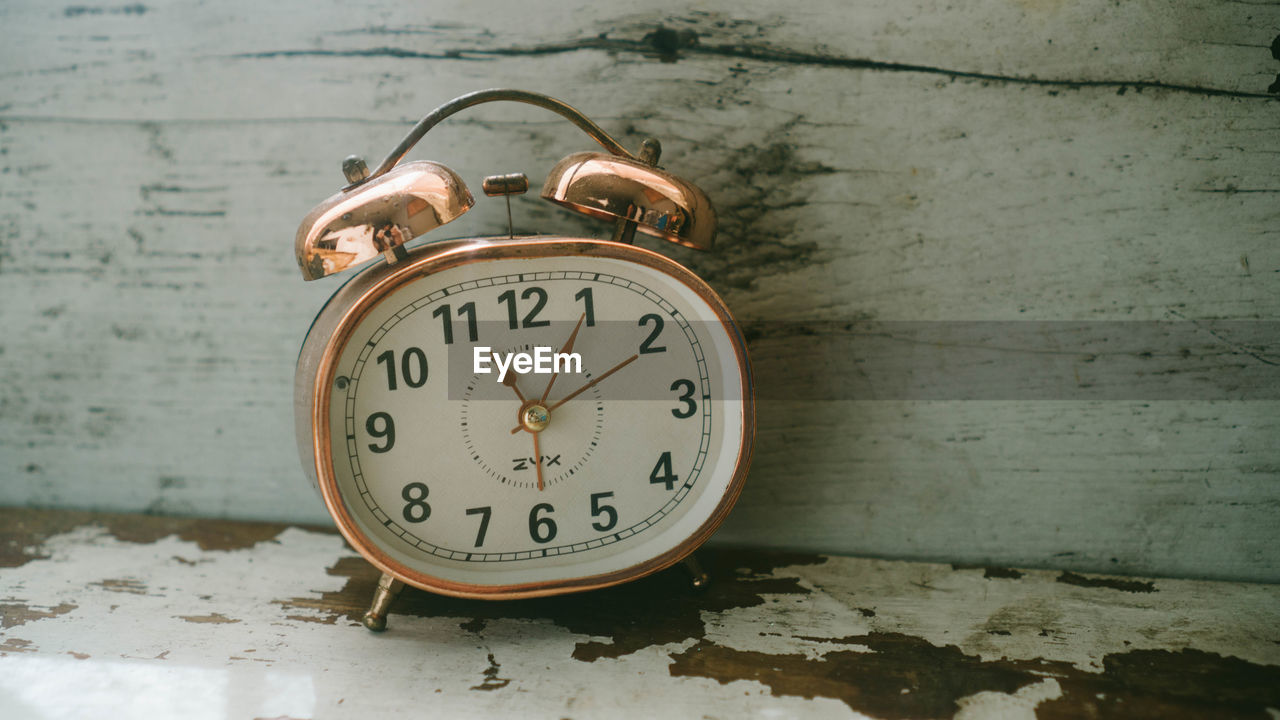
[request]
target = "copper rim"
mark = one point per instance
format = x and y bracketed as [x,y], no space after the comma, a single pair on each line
[483,250]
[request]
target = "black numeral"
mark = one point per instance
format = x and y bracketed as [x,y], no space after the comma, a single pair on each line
[413,367]
[469,309]
[589,306]
[690,405]
[647,346]
[416,508]
[542,529]
[530,321]
[387,431]
[597,508]
[662,472]
[484,513]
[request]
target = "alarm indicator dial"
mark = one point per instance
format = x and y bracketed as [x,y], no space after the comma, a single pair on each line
[526,417]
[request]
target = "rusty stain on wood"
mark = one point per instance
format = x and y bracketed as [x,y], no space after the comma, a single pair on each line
[1133,586]
[15,614]
[217,618]
[491,680]
[123,585]
[907,677]
[13,644]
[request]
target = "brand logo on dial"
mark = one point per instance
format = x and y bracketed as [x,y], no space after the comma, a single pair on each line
[542,361]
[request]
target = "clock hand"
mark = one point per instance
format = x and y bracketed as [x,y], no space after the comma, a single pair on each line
[510,381]
[568,348]
[593,383]
[537,458]
[586,387]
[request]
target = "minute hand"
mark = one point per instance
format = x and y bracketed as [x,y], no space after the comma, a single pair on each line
[586,387]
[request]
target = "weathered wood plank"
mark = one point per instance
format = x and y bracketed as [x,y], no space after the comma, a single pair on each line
[156,617]
[157,158]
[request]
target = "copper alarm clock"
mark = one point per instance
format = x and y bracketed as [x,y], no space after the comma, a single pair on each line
[518,416]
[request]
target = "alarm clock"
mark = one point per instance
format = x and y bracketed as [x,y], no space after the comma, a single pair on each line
[519,416]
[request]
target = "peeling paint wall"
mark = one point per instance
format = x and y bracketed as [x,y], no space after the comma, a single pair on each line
[875,165]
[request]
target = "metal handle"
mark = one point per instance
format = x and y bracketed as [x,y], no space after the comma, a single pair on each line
[463,102]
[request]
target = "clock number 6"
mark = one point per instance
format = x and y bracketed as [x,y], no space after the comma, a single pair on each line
[542,529]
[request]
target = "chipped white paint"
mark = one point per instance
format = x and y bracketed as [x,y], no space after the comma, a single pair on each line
[267,664]
[158,156]
[129,653]
[1020,705]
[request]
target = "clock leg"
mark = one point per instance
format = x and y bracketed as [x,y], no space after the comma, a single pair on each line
[698,578]
[388,588]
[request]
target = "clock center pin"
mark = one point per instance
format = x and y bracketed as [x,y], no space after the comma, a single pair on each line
[534,417]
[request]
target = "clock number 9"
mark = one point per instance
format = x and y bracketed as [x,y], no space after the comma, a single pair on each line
[387,431]
[542,529]
[690,406]
[415,495]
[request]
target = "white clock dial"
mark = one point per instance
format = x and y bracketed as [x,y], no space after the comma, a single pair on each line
[619,457]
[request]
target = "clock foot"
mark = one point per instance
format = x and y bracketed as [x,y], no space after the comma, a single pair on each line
[388,588]
[698,578]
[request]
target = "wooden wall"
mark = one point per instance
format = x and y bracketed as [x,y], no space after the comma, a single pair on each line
[911,194]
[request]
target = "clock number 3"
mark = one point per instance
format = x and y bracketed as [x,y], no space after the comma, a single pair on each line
[690,405]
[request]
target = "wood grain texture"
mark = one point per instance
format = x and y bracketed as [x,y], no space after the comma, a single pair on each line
[872,162]
[154,617]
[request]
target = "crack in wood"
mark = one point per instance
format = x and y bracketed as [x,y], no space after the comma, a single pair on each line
[667,45]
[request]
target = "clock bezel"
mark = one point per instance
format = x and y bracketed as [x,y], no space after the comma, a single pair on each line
[337,321]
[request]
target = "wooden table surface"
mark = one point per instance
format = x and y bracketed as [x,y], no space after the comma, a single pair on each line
[128,616]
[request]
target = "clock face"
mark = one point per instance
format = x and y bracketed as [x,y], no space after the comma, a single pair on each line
[524,417]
